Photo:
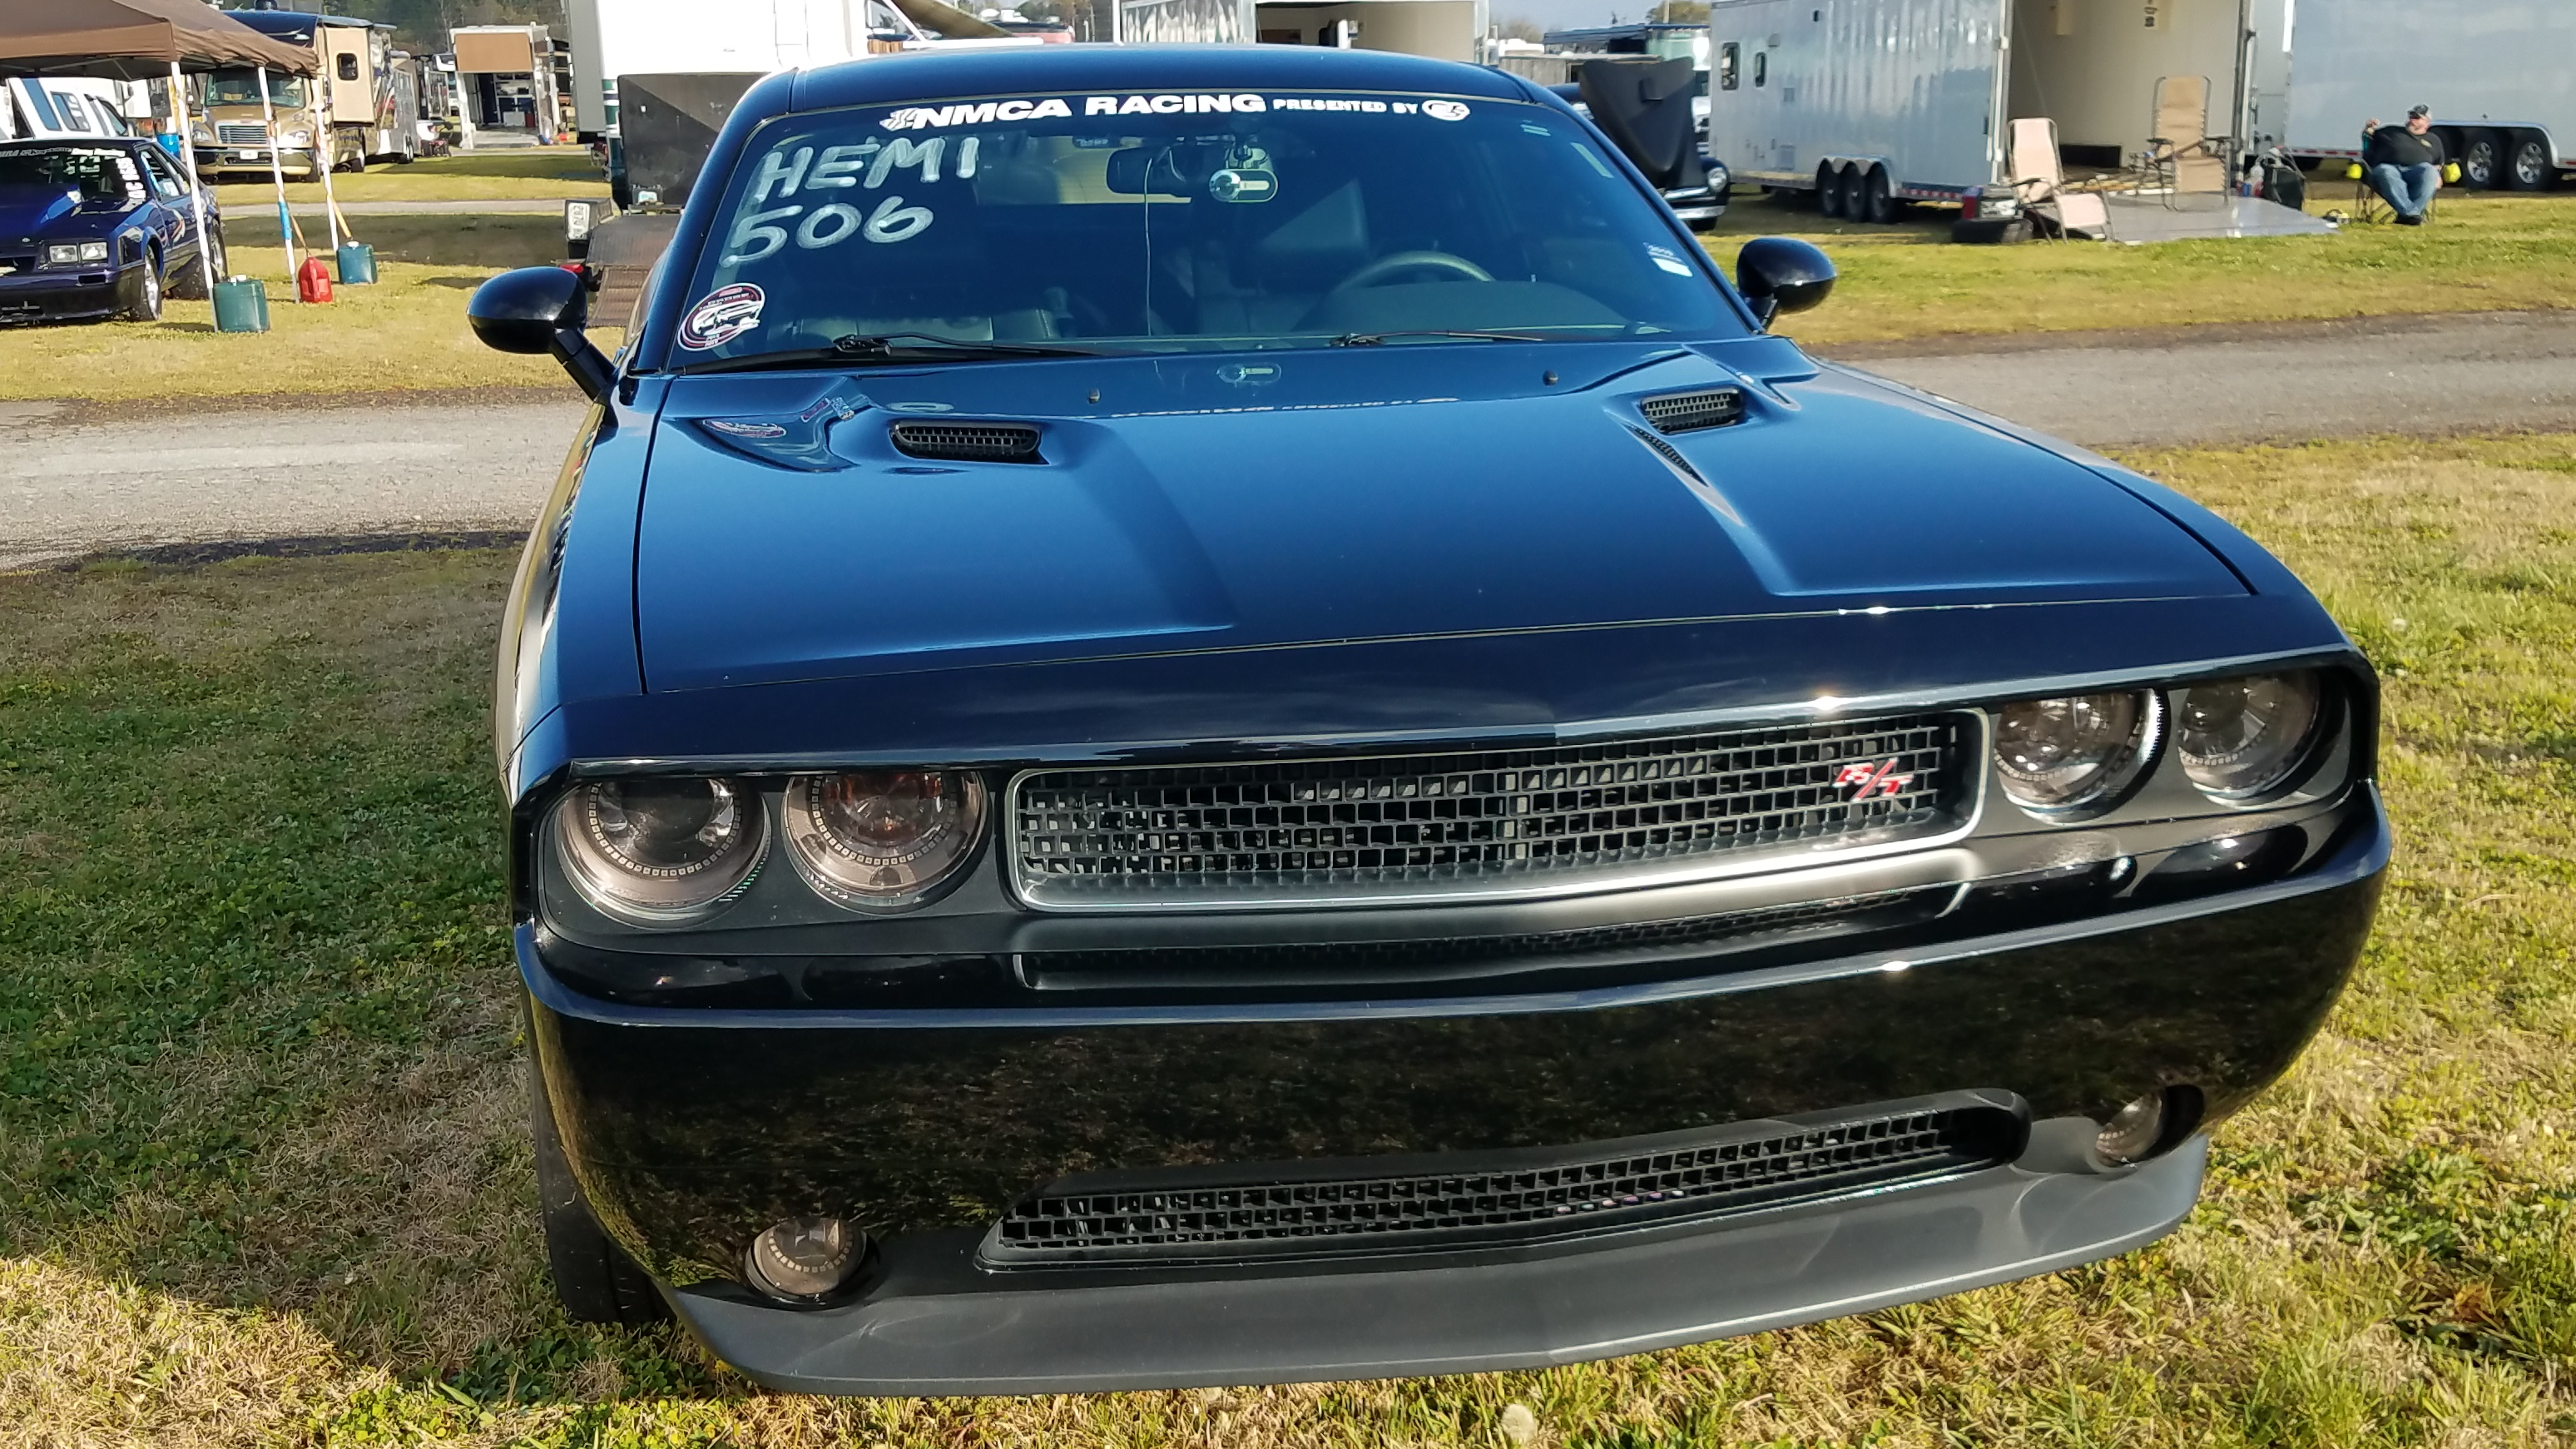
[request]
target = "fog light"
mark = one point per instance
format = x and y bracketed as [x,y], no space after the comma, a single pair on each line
[805,1257]
[2135,1131]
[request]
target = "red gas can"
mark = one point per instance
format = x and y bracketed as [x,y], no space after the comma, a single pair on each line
[313,281]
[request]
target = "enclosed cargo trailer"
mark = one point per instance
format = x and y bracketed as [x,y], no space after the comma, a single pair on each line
[2500,76]
[1917,96]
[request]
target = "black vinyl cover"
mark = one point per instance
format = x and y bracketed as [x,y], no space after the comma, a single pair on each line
[1644,107]
[666,124]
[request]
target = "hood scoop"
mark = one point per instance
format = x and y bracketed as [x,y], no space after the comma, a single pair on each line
[958,442]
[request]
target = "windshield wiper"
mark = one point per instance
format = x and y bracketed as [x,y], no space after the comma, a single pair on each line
[858,349]
[1373,339]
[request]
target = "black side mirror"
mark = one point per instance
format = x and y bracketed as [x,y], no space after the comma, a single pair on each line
[542,309]
[1779,274]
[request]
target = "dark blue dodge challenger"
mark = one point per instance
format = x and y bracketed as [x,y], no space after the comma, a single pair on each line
[1209,716]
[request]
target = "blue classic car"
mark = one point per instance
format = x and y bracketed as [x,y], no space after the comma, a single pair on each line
[1201,716]
[99,227]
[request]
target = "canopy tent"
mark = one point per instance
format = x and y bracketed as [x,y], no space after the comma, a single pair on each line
[133,39]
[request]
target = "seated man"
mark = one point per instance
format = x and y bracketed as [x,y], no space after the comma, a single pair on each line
[2404,166]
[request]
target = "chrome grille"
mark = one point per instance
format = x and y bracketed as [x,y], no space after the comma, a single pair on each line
[241,133]
[1468,1200]
[1471,824]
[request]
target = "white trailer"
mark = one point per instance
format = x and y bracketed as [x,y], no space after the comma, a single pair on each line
[1439,29]
[2500,76]
[1916,96]
[613,38]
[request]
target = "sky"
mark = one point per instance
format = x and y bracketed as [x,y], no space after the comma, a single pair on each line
[1566,14]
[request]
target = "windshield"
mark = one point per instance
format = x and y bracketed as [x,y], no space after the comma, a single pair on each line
[1183,222]
[241,88]
[94,173]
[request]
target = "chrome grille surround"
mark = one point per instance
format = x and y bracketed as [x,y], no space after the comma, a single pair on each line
[1488,824]
[240,133]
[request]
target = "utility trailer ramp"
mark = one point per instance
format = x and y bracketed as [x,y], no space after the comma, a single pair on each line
[2138,220]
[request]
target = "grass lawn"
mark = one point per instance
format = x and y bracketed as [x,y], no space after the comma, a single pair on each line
[543,172]
[2484,253]
[406,332]
[264,1175]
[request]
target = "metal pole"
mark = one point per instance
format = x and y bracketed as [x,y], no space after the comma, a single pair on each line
[277,174]
[326,145]
[196,190]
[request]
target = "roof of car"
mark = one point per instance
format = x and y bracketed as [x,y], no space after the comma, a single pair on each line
[25,143]
[930,75]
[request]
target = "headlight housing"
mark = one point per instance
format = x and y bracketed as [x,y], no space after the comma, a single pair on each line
[2241,738]
[2068,754]
[72,254]
[200,131]
[661,851]
[883,840]
[296,138]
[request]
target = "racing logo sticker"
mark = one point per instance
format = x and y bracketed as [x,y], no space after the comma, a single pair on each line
[725,314]
[1445,110]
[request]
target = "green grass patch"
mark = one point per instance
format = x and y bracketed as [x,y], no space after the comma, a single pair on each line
[405,333]
[264,1175]
[2486,252]
[533,174]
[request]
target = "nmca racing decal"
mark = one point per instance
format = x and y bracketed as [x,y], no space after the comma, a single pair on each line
[1175,103]
[723,315]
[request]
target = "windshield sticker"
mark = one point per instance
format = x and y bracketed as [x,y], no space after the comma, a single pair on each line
[725,314]
[1668,259]
[1175,103]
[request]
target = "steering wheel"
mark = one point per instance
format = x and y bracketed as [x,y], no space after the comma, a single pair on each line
[1387,266]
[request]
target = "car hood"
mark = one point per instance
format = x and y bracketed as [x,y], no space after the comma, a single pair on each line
[1396,492]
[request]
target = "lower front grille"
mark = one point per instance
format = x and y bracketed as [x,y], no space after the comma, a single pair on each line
[1389,962]
[1456,1201]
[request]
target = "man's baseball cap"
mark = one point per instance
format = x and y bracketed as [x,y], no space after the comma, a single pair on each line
[2418,112]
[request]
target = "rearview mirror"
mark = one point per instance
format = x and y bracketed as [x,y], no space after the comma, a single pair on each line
[1777,274]
[542,309]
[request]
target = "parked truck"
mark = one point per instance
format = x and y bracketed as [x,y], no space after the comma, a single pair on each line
[1872,103]
[359,102]
[2500,76]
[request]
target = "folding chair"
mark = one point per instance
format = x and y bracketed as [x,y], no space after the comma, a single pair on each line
[2369,207]
[2184,158]
[2042,185]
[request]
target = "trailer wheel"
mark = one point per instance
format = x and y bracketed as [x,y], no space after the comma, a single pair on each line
[2527,166]
[1878,203]
[1829,190]
[2481,159]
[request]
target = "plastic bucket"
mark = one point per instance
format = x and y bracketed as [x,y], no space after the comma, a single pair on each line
[241,305]
[357,264]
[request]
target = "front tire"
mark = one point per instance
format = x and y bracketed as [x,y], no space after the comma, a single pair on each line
[146,306]
[2481,159]
[595,1280]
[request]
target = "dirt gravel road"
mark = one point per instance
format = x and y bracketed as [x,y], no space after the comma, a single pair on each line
[76,479]
[71,484]
[2274,382]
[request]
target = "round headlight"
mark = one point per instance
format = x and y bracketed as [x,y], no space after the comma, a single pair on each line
[2240,737]
[660,851]
[882,840]
[2063,754]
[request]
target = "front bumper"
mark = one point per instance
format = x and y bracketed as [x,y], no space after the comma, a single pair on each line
[935,1325]
[253,160]
[692,1129]
[98,291]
